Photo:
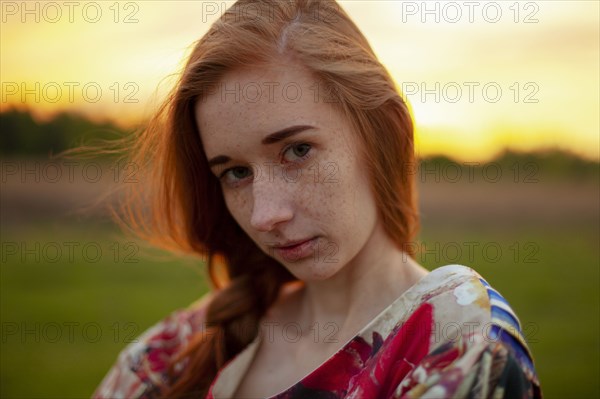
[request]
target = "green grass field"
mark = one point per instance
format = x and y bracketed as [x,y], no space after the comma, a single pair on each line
[65,319]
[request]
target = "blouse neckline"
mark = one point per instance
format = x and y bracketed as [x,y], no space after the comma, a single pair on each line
[230,376]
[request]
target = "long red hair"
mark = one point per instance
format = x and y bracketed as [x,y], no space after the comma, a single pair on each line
[180,206]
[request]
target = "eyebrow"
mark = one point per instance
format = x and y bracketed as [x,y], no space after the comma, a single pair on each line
[270,139]
[284,134]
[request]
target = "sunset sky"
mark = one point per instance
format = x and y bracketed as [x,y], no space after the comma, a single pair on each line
[501,74]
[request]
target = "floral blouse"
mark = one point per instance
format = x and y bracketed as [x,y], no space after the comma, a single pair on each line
[449,335]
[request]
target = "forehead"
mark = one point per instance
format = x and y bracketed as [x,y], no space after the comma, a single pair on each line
[249,103]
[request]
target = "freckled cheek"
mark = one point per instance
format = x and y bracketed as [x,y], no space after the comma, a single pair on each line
[342,195]
[239,206]
[318,196]
[302,190]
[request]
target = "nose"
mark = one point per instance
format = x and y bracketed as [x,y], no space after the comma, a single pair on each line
[271,205]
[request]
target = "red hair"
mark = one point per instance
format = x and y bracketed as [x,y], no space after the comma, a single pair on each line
[181,205]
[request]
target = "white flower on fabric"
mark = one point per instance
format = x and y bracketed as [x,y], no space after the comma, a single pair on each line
[466,293]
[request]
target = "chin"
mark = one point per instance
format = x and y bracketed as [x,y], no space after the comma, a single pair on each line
[307,270]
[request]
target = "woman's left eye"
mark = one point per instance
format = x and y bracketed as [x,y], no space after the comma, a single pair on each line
[297,151]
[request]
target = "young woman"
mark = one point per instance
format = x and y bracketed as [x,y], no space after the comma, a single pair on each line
[284,155]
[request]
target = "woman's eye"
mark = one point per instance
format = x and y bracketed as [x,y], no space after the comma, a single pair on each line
[240,172]
[298,151]
[235,174]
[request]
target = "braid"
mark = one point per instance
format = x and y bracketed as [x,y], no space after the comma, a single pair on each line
[232,323]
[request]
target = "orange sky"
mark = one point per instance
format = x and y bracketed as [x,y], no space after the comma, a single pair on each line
[480,76]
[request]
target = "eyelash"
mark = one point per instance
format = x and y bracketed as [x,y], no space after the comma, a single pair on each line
[287,148]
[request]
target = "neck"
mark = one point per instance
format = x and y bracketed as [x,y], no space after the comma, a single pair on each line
[363,288]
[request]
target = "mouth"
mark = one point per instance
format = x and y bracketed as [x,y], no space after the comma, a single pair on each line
[295,250]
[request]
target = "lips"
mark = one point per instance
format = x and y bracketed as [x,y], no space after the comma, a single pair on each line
[292,243]
[297,249]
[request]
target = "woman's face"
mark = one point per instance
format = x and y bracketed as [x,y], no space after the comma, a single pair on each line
[289,168]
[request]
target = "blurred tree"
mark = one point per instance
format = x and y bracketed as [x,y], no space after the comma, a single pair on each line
[22,136]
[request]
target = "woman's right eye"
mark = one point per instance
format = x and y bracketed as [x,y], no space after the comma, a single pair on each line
[234,175]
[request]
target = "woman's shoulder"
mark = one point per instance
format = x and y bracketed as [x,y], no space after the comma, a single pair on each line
[142,367]
[465,301]
[461,287]
[472,321]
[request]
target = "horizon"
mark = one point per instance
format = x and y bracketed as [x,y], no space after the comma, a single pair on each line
[501,152]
